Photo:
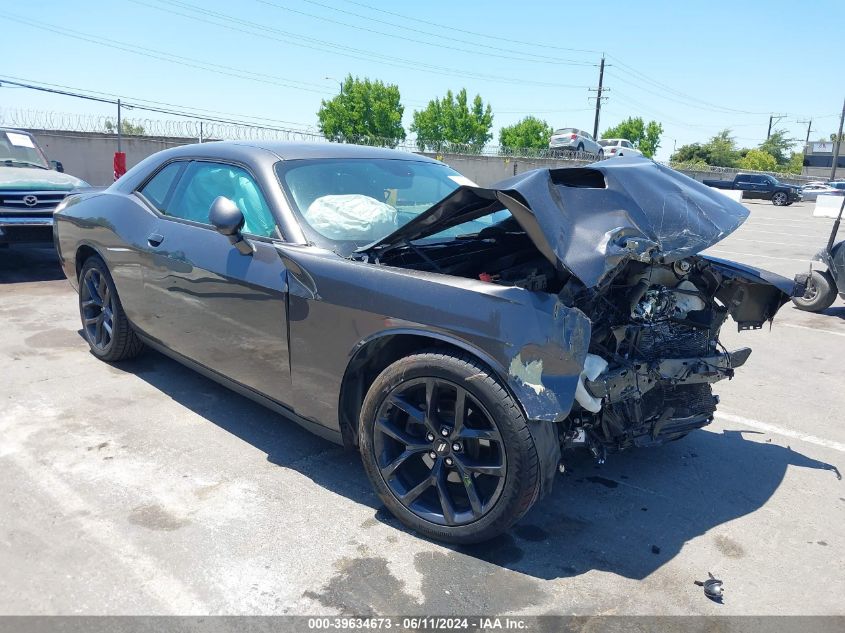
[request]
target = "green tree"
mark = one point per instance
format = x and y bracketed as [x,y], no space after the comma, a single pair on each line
[645,137]
[453,120]
[365,111]
[692,153]
[126,127]
[757,160]
[778,145]
[529,132]
[722,150]
[796,163]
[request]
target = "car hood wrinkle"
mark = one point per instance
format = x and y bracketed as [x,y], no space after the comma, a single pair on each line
[589,220]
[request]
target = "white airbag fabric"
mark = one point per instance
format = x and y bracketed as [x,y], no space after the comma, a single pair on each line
[351,217]
[593,367]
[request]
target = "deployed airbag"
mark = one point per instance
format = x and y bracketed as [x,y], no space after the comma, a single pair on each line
[353,217]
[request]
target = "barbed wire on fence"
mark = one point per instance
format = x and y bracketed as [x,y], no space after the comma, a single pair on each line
[210,129]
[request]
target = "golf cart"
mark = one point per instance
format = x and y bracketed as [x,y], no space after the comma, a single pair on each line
[822,286]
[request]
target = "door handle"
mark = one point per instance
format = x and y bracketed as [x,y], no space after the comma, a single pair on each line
[155,240]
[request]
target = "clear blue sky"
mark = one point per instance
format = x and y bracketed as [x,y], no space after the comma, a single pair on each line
[695,67]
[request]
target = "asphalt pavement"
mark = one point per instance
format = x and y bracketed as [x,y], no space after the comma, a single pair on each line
[144,488]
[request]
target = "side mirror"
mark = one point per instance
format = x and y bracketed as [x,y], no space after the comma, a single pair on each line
[57,165]
[228,219]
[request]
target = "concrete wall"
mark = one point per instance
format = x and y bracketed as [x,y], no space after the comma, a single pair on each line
[90,156]
[485,170]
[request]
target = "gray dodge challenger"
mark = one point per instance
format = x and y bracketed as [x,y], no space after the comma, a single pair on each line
[463,338]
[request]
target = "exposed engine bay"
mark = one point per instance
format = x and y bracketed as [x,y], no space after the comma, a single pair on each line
[619,242]
[654,351]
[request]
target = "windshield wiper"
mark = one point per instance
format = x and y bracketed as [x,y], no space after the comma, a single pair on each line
[25,163]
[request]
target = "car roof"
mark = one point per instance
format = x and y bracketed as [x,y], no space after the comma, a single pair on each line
[294,150]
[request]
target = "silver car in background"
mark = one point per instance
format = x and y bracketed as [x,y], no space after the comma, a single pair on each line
[573,139]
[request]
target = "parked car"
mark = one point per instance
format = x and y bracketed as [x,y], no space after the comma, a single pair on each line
[837,184]
[619,147]
[570,138]
[822,284]
[760,187]
[811,191]
[30,188]
[461,337]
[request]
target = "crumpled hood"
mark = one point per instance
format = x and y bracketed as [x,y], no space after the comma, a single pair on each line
[36,179]
[589,220]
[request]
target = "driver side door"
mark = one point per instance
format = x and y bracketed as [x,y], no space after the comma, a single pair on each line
[205,300]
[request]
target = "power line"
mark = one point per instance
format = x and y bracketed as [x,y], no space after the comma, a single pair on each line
[85,92]
[230,71]
[137,106]
[226,21]
[496,51]
[666,88]
[495,38]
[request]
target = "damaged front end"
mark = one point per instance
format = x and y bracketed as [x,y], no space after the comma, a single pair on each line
[655,350]
[620,243]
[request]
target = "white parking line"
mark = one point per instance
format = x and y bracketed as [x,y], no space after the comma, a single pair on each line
[803,225]
[779,430]
[812,329]
[815,237]
[786,259]
[742,239]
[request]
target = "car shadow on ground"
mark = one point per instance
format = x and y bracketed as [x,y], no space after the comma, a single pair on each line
[29,263]
[628,516]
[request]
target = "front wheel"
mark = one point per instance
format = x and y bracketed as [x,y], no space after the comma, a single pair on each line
[820,293]
[104,324]
[780,199]
[447,449]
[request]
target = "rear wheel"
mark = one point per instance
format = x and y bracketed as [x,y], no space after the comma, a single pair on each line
[580,147]
[780,199]
[447,449]
[104,323]
[820,293]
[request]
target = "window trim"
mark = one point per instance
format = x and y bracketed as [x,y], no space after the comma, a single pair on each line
[277,235]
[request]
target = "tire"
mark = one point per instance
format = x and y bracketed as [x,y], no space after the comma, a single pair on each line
[104,324]
[456,481]
[780,199]
[580,147]
[601,154]
[820,294]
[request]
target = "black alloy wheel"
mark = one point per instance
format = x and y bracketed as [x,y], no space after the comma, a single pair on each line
[779,199]
[104,324]
[439,451]
[447,448]
[97,309]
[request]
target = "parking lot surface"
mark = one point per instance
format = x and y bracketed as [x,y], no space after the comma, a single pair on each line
[144,488]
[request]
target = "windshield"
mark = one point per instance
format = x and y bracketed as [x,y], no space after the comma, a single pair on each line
[18,149]
[347,203]
[606,142]
[566,130]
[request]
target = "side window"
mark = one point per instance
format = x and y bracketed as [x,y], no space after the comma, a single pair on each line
[203,182]
[627,144]
[157,190]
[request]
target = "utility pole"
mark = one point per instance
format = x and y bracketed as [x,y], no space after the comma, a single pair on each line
[838,144]
[809,131]
[778,117]
[598,91]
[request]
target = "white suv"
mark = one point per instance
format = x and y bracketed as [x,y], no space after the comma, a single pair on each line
[619,147]
[571,138]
